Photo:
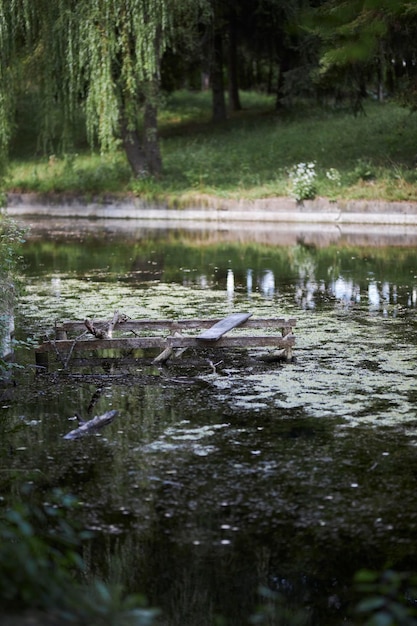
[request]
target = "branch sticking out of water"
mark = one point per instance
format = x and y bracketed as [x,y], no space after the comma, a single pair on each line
[102,333]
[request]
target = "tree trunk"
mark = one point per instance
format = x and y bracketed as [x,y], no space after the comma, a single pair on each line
[284,66]
[143,153]
[151,138]
[134,150]
[217,86]
[234,100]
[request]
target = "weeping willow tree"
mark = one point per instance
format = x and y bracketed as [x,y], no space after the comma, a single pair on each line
[101,55]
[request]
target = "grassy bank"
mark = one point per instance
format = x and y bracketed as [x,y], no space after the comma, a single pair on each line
[371,156]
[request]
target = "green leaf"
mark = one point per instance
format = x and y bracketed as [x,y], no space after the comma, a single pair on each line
[371,604]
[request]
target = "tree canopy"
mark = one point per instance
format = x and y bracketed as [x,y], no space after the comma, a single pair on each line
[103,55]
[105,58]
[373,39]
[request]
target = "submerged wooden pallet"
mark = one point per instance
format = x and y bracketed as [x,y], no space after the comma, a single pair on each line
[99,335]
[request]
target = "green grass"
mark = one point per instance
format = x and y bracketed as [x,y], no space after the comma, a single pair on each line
[249,156]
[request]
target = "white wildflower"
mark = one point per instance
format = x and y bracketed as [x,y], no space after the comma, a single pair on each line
[303,181]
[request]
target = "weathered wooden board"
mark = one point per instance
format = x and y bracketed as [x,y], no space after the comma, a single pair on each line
[223,326]
[148,324]
[137,343]
[94,337]
[234,342]
[118,343]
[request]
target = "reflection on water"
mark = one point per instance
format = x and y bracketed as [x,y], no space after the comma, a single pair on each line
[298,276]
[210,484]
[308,293]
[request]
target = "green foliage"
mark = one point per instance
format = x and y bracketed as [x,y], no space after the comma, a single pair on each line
[102,56]
[106,605]
[11,238]
[41,567]
[274,610]
[374,154]
[364,170]
[388,598]
[36,541]
[361,44]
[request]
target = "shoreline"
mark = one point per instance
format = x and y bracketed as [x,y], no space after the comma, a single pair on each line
[270,221]
[218,210]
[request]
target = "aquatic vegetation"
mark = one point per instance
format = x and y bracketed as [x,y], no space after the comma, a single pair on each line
[211,484]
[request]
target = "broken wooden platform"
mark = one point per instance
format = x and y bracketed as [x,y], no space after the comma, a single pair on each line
[124,334]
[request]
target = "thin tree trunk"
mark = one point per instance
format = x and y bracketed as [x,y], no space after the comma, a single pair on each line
[234,100]
[217,86]
[284,66]
[151,138]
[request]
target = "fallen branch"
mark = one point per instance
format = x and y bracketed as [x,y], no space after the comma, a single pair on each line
[69,355]
[169,351]
[214,365]
[104,333]
[65,361]
[92,425]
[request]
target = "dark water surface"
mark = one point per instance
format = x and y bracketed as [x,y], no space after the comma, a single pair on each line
[209,485]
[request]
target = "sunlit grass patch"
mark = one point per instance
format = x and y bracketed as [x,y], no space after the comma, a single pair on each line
[250,155]
[72,173]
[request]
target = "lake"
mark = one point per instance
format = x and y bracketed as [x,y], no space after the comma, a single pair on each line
[211,486]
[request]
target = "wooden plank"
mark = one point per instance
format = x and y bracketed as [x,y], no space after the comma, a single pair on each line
[137,343]
[234,342]
[121,343]
[223,326]
[147,324]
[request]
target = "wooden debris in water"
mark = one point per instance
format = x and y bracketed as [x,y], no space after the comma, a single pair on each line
[102,336]
[223,326]
[102,333]
[92,425]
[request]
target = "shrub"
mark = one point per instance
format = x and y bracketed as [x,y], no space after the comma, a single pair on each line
[41,566]
[388,598]
[34,541]
[303,181]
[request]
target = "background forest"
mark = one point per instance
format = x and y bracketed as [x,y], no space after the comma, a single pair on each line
[228,98]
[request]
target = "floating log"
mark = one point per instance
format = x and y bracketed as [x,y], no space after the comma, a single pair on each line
[92,425]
